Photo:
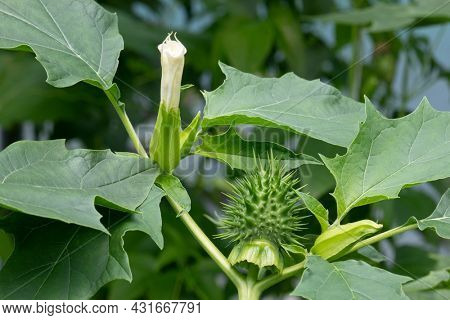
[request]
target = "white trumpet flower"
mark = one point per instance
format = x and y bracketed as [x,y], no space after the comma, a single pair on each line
[172,62]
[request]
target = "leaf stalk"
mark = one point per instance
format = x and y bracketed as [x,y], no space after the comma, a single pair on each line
[381,236]
[215,254]
[119,107]
[249,290]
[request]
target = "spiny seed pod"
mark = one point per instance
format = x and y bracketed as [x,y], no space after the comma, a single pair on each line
[262,215]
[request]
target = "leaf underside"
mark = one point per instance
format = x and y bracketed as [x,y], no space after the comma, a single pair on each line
[238,153]
[74,40]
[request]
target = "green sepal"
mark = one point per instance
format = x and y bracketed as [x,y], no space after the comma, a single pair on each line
[294,249]
[336,238]
[316,208]
[165,143]
[262,253]
[188,135]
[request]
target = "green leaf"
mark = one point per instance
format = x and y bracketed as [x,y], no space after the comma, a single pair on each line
[138,35]
[383,17]
[75,40]
[366,254]
[174,189]
[289,37]
[149,281]
[246,42]
[372,254]
[336,238]
[238,153]
[47,180]
[348,280]
[307,107]
[29,98]
[390,154]
[6,247]
[143,269]
[201,278]
[316,208]
[149,218]
[435,285]
[54,260]
[440,218]
[417,261]
[318,180]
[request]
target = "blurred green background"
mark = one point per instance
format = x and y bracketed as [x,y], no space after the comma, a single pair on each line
[360,47]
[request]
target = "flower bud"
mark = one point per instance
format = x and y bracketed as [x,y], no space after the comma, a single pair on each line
[165,146]
[172,63]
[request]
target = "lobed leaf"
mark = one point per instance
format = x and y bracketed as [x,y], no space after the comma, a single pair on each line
[54,260]
[47,180]
[189,135]
[390,154]
[238,153]
[74,40]
[306,107]
[348,280]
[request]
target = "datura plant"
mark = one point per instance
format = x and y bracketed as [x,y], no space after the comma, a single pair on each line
[69,209]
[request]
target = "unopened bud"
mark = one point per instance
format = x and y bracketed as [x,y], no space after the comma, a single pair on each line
[172,62]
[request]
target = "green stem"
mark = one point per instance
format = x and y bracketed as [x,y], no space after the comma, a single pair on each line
[272,280]
[380,237]
[207,245]
[249,290]
[127,124]
[356,68]
[196,231]
[296,268]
